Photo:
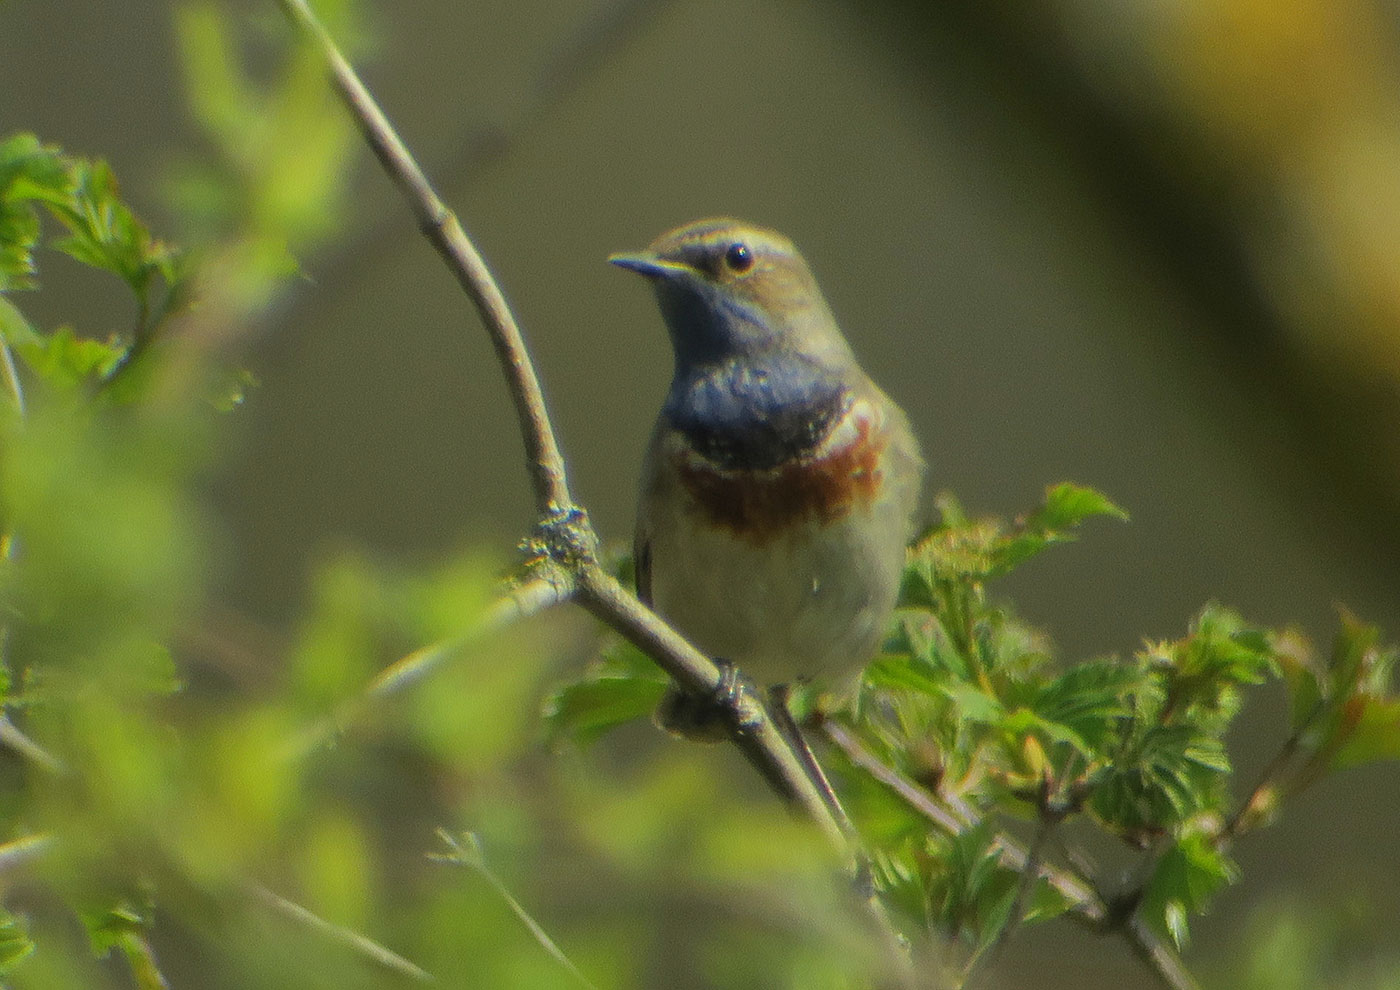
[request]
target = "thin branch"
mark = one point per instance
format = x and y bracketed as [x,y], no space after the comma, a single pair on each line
[982,960]
[361,944]
[911,793]
[1248,814]
[1158,956]
[565,534]
[21,852]
[13,737]
[145,968]
[522,601]
[11,376]
[752,730]
[564,537]
[1087,905]
[467,852]
[440,225]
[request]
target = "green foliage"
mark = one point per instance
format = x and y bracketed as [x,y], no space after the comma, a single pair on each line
[15,944]
[167,801]
[970,708]
[162,796]
[622,685]
[100,231]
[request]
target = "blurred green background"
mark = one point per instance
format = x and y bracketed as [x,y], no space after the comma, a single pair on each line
[1151,247]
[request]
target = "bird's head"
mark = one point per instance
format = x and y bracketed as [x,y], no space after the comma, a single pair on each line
[729,290]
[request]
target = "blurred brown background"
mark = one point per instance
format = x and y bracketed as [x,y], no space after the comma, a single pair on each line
[1151,247]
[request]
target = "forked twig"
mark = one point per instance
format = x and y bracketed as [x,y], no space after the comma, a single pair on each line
[565,540]
[1086,904]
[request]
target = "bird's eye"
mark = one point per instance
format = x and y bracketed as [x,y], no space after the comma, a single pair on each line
[738,257]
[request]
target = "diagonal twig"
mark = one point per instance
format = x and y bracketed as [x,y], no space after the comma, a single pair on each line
[361,944]
[564,537]
[440,225]
[526,599]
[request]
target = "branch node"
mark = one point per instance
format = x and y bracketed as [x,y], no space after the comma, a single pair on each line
[564,537]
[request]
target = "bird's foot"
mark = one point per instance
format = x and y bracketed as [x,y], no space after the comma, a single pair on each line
[732,706]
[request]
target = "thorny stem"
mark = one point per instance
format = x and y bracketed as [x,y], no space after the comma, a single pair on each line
[565,536]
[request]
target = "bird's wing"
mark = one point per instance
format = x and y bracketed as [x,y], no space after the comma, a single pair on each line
[641,566]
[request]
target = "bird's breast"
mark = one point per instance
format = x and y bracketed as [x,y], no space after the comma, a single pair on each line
[840,474]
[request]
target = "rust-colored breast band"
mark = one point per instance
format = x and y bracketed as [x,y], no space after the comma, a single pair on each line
[758,505]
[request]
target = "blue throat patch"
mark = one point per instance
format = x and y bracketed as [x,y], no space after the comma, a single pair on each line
[757,414]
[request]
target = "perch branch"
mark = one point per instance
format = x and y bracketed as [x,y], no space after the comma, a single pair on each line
[565,539]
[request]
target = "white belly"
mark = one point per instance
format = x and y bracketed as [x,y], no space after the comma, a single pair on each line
[811,602]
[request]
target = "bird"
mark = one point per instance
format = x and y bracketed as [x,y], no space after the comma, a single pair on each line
[780,485]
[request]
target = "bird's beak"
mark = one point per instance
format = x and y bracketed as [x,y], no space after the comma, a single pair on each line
[648,264]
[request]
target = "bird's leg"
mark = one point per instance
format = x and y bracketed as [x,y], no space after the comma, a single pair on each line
[787,725]
[708,717]
[782,717]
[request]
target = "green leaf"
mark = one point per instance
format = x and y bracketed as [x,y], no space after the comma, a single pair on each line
[975,707]
[15,944]
[1188,874]
[29,171]
[1068,505]
[1353,652]
[66,361]
[1301,672]
[970,891]
[15,329]
[623,686]
[1163,776]
[1091,699]
[1024,722]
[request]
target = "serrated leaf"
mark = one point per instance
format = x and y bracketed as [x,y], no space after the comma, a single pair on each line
[973,706]
[1068,505]
[899,672]
[1090,699]
[971,891]
[1024,722]
[29,172]
[66,361]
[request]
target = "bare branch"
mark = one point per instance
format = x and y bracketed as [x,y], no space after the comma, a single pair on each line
[1158,956]
[520,602]
[23,851]
[564,538]
[467,851]
[12,736]
[11,377]
[440,225]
